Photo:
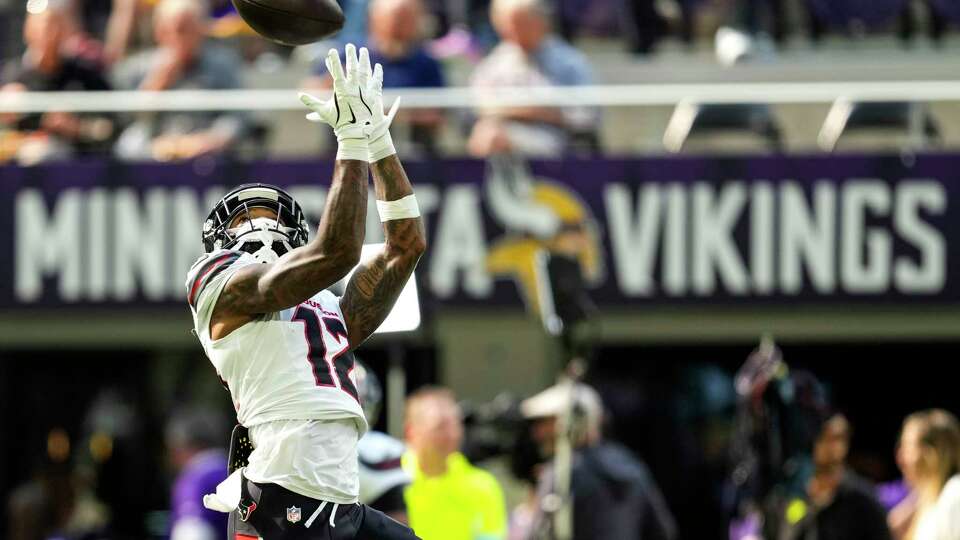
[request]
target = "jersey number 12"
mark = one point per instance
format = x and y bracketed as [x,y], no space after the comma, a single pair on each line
[330,367]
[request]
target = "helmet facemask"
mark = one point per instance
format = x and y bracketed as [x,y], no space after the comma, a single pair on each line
[231,224]
[263,237]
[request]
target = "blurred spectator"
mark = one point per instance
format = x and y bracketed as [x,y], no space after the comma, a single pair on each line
[929,456]
[449,499]
[92,15]
[528,56]
[395,41]
[183,60]
[382,478]
[120,27]
[781,412]
[901,514]
[355,26]
[843,505]
[462,28]
[59,502]
[123,25]
[643,25]
[56,59]
[195,439]
[613,493]
[763,17]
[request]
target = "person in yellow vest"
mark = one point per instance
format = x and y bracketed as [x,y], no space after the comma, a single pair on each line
[448,499]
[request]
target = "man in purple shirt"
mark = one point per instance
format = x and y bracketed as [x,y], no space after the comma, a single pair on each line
[193,437]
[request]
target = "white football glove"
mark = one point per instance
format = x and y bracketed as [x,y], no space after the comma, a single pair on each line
[346,111]
[378,129]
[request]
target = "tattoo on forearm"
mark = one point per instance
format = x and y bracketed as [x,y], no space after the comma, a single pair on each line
[374,289]
[304,272]
[367,281]
[389,179]
[376,285]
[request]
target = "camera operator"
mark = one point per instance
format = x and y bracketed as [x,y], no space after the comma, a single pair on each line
[613,494]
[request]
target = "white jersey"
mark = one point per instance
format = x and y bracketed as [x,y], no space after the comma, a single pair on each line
[293,365]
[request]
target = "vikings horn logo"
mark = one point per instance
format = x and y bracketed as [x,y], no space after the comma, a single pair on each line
[541,218]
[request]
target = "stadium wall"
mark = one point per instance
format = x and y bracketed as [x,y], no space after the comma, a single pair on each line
[670,249]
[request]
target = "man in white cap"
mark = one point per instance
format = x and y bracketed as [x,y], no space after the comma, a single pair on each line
[613,494]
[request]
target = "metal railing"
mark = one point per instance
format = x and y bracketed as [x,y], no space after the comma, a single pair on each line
[452,98]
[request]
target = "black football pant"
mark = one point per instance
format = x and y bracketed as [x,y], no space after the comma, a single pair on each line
[275,513]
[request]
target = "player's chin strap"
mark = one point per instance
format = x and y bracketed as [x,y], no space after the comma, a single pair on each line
[266,232]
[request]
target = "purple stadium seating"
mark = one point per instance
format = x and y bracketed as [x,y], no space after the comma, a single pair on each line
[871,13]
[949,9]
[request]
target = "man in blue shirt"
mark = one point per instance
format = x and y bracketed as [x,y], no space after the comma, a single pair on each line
[395,42]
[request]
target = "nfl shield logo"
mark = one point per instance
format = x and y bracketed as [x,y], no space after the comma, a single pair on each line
[293,514]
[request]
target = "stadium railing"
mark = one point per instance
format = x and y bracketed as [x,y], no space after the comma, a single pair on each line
[599,96]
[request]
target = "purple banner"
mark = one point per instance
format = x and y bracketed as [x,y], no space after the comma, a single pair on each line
[773,230]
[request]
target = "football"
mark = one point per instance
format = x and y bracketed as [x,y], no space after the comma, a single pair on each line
[292,22]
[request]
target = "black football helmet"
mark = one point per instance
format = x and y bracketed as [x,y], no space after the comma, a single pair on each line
[265,238]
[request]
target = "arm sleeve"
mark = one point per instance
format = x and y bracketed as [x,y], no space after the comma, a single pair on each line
[573,69]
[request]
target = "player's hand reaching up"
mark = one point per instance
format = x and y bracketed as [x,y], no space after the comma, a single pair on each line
[356,109]
[347,112]
[378,130]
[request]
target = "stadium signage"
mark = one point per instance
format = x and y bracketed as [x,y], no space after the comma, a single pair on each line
[763,230]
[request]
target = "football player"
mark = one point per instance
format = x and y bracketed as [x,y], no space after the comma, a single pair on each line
[282,343]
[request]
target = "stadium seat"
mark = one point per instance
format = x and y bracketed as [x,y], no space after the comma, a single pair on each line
[949,9]
[711,121]
[908,125]
[942,13]
[846,13]
[858,16]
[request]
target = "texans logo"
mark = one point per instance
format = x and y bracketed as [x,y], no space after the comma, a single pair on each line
[245,509]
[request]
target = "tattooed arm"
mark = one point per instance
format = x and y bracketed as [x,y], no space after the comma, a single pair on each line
[303,272]
[374,287]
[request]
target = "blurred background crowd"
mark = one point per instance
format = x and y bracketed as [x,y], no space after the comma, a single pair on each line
[168,45]
[768,450]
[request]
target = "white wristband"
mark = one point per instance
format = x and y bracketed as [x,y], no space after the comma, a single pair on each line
[381,147]
[404,208]
[353,149]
